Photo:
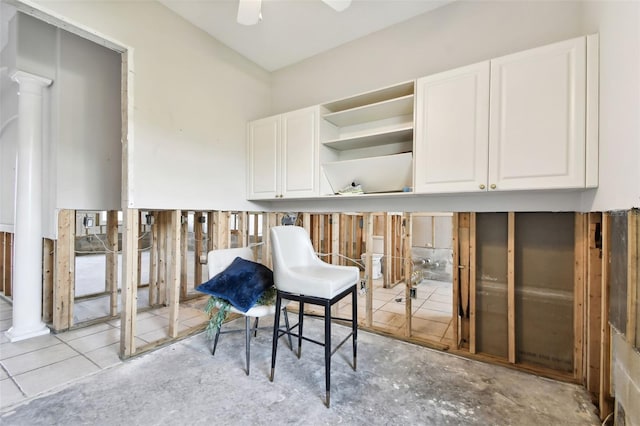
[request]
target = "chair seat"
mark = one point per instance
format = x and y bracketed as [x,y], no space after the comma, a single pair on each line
[257,311]
[319,280]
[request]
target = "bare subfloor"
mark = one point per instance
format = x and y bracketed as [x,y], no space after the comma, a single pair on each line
[396,383]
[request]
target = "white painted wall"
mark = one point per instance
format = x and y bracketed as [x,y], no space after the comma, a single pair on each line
[192,99]
[618,24]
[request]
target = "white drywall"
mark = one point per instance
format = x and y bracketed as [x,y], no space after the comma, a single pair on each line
[192,99]
[618,24]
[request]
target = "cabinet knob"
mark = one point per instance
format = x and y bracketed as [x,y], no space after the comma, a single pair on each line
[482,186]
[493,186]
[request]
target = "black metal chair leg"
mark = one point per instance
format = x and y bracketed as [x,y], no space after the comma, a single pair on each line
[286,323]
[247,335]
[255,328]
[327,349]
[354,325]
[276,332]
[300,320]
[215,341]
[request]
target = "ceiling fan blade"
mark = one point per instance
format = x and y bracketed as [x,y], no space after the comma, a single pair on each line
[338,5]
[249,12]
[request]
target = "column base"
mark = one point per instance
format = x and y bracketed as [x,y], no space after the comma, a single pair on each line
[17,335]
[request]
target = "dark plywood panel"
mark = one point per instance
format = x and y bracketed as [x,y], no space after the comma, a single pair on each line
[618,256]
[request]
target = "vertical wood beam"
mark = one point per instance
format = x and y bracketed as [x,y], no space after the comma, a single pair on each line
[579,273]
[455,319]
[268,222]
[388,251]
[406,255]
[140,233]
[161,223]
[153,262]
[632,275]
[254,237]
[463,279]
[184,256]
[306,222]
[605,402]
[224,233]
[343,240]
[335,238]
[198,237]
[368,267]
[594,288]
[3,259]
[472,282]
[48,260]
[111,273]
[63,289]
[211,231]
[174,274]
[511,288]
[243,229]
[129,285]
[316,232]
[356,235]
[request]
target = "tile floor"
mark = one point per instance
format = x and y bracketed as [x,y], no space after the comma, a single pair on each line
[42,364]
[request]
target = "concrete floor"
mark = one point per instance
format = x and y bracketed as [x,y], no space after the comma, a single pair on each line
[396,383]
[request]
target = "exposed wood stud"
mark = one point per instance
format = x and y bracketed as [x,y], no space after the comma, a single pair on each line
[211,232]
[455,318]
[162,258]
[64,282]
[7,264]
[472,282]
[243,229]
[388,250]
[368,235]
[174,274]
[111,273]
[593,311]
[605,401]
[140,232]
[48,260]
[335,238]
[153,262]
[129,285]
[306,222]
[511,288]
[632,275]
[408,270]
[578,291]
[184,251]
[463,278]
[198,240]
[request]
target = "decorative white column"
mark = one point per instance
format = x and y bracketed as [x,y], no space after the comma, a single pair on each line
[27,269]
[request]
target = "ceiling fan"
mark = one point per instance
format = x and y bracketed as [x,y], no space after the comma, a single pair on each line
[250,11]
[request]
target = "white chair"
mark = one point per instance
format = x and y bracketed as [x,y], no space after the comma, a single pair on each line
[299,275]
[218,261]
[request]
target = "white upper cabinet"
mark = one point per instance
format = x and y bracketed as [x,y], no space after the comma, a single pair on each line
[263,180]
[537,118]
[283,155]
[300,136]
[452,130]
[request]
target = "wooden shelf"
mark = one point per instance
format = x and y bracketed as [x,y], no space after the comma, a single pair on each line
[373,112]
[373,97]
[400,134]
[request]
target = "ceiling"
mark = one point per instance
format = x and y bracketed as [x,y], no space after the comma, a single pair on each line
[292,30]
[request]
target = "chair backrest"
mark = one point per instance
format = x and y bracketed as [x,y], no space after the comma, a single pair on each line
[218,260]
[291,247]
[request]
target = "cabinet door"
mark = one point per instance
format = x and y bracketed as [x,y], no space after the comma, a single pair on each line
[263,181]
[300,153]
[452,130]
[537,119]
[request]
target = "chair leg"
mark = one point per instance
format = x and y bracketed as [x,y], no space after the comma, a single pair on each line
[215,341]
[255,328]
[247,335]
[276,332]
[300,320]
[354,325]
[327,349]
[286,323]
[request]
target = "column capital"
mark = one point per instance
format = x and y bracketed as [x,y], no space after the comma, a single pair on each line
[24,78]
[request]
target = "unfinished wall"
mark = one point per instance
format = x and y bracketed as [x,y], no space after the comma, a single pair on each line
[192,99]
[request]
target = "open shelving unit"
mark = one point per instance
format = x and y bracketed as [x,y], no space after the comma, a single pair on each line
[370,128]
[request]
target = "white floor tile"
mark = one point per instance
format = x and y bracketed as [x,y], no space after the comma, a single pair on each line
[82,332]
[53,375]
[105,357]
[96,340]
[8,349]
[11,394]
[39,358]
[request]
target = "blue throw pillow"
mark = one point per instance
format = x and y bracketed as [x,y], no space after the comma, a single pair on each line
[242,283]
